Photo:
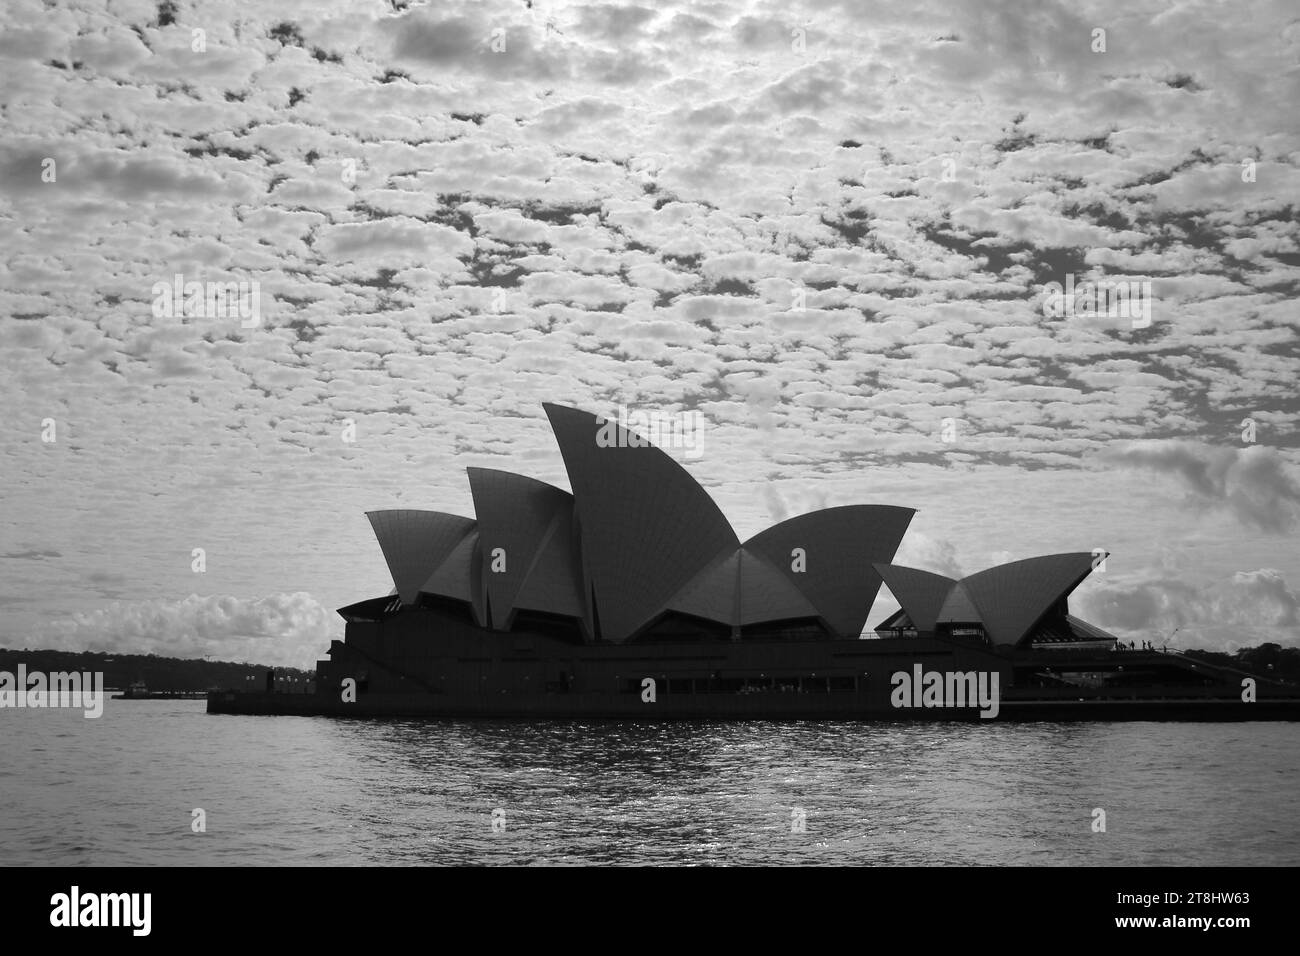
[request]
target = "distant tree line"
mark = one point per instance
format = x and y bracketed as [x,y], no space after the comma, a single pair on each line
[157,673]
[1267,660]
[181,674]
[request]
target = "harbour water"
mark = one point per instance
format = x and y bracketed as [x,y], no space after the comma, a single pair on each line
[123,790]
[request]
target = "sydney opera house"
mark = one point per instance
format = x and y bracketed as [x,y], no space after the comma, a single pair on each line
[632,596]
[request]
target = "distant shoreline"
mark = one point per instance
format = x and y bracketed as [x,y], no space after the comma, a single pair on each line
[162,675]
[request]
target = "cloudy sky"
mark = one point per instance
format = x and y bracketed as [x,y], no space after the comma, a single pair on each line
[828,228]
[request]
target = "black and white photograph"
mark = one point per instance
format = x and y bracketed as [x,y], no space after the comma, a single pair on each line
[594,434]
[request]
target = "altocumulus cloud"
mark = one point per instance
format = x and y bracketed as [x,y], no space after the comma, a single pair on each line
[1253,482]
[281,629]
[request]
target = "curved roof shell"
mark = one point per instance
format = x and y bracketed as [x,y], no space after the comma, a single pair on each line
[840,546]
[1009,600]
[639,537]
[415,543]
[459,576]
[768,595]
[645,526]
[742,588]
[1013,597]
[525,528]
[714,593]
[921,594]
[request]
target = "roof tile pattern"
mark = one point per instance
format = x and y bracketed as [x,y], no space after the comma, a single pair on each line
[921,593]
[646,526]
[839,547]
[525,527]
[739,589]
[639,537]
[459,576]
[416,542]
[1013,597]
[1008,599]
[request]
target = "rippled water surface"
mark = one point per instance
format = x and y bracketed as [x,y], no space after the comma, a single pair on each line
[290,790]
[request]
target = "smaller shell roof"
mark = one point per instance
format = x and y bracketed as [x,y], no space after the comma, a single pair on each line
[1009,599]
[920,593]
[415,543]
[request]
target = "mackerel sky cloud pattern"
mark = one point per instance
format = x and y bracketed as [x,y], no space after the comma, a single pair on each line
[826,227]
